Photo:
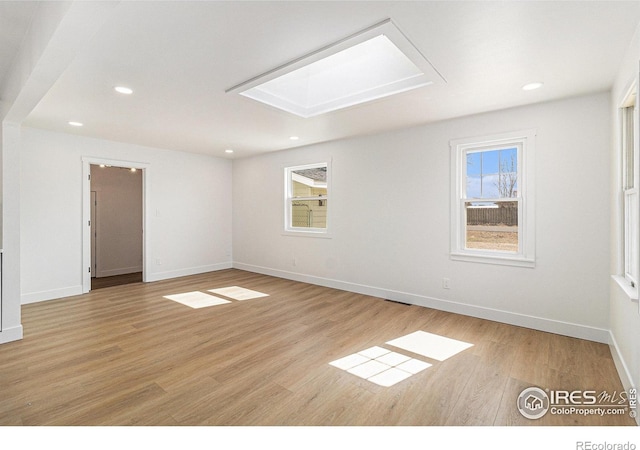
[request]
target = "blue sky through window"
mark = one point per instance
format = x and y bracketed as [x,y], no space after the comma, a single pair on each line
[492,173]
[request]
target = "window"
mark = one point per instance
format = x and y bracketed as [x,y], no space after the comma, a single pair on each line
[629,190]
[492,199]
[306,193]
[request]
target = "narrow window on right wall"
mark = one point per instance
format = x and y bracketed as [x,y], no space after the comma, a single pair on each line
[492,199]
[630,189]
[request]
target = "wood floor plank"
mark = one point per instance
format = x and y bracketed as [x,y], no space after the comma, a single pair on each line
[125,355]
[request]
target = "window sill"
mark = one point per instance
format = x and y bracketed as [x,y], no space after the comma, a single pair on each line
[311,234]
[499,260]
[632,292]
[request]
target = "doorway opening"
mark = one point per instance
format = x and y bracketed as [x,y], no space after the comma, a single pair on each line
[116,225]
[114,217]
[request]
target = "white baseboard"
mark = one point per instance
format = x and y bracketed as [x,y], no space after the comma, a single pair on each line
[511,318]
[621,367]
[158,276]
[11,334]
[34,297]
[121,271]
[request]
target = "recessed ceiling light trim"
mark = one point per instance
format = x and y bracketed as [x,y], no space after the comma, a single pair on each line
[123,90]
[287,88]
[75,124]
[532,86]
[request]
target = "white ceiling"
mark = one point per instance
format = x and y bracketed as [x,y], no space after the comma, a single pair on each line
[180,57]
[15,18]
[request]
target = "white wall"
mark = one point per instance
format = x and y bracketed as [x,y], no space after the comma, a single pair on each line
[118,220]
[389,220]
[57,32]
[624,313]
[11,328]
[188,207]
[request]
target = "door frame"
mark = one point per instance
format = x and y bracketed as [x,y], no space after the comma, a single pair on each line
[87,162]
[93,230]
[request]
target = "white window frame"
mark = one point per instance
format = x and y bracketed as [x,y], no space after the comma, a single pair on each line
[289,229]
[524,141]
[630,203]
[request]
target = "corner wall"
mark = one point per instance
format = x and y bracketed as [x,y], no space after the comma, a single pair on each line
[390,226]
[189,211]
[624,313]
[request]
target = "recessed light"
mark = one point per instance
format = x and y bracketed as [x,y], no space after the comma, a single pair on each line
[228,150]
[532,86]
[75,124]
[124,90]
[294,138]
[133,169]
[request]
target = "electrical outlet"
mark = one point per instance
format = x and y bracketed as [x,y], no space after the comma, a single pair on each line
[446,283]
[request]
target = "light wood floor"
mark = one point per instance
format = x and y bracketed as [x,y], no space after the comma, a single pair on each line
[126,356]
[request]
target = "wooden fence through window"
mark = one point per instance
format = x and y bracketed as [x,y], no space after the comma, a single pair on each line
[506,216]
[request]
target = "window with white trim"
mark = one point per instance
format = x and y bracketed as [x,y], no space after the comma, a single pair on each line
[306,198]
[492,199]
[630,203]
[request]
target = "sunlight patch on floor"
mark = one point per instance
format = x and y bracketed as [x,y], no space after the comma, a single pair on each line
[430,345]
[238,293]
[196,299]
[380,366]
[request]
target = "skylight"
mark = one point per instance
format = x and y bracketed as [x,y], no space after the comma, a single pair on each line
[375,63]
